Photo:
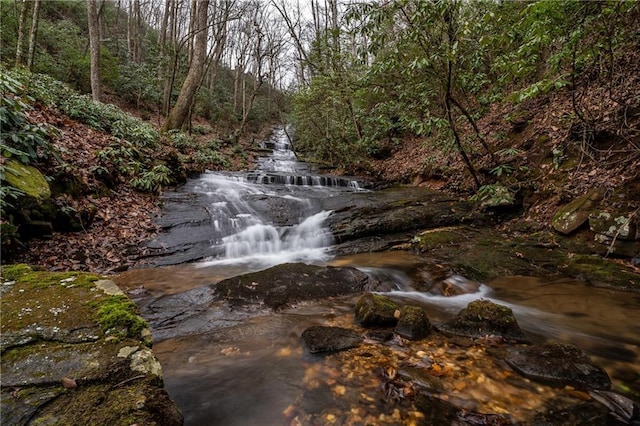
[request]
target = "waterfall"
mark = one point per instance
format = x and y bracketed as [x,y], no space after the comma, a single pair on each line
[242,207]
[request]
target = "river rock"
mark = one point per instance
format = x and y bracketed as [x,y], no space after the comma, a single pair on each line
[558,363]
[376,310]
[413,323]
[74,354]
[285,284]
[440,412]
[570,217]
[484,318]
[319,339]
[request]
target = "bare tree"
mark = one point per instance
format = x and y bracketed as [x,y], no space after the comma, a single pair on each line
[180,112]
[94,48]
[22,27]
[33,34]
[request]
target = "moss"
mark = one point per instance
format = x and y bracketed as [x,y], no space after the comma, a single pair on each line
[428,240]
[24,274]
[483,310]
[119,312]
[603,272]
[13,272]
[27,179]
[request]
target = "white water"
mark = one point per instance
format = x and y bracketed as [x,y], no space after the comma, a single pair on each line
[244,235]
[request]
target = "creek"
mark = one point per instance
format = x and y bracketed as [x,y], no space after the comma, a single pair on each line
[254,370]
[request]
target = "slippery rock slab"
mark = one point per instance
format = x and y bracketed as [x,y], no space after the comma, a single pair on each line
[484,318]
[559,363]
[319,339]
[286,284]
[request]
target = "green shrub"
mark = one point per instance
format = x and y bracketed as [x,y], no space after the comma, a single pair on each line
[27,142]
[153,180]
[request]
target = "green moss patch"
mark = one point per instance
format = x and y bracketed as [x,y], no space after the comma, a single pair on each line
[119,314]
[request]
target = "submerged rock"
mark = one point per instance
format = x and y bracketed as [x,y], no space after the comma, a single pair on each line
[285,284]
[440,412]
[484,318]
[375,310]
[558,363]
[319,339]
[413,323]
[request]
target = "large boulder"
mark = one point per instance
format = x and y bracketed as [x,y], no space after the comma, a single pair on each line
[483,318]
[282,285]
[558,363]
[28,180]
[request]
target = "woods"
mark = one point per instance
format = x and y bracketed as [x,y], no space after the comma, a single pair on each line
[478,95]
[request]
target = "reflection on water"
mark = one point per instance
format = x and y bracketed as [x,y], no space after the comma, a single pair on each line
[258,373]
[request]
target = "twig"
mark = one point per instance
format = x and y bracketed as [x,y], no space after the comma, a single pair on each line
[130,379]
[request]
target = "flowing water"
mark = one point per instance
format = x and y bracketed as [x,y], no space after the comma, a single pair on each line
[256,372]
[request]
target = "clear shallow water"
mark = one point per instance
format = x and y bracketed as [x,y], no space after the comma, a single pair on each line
[257,371]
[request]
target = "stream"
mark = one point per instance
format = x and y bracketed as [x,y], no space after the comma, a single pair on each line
[255,369]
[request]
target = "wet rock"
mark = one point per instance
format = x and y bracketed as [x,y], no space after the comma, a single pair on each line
[570,217]
[558,363]
[603,272]
[283,285]
[455,285]
[320,339]
[421,377]
[619,406]
[375,310]
[484,318]
[439,412]
[413,323]
[585,413]
[393,210]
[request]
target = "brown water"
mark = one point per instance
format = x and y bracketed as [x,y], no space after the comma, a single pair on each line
[258,373]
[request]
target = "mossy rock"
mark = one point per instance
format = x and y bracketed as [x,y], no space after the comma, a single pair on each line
[414,323]
[28,180]
[374,310]
[572,216]
[604,273]
[65,335]
[483,318]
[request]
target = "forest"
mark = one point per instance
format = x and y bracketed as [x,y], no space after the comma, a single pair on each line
[216,178]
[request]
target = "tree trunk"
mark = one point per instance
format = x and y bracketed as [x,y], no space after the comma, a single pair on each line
[94,49]
[33,34]
[22,27]
[180,111]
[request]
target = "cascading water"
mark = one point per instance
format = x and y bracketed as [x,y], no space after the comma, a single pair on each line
[245,210]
